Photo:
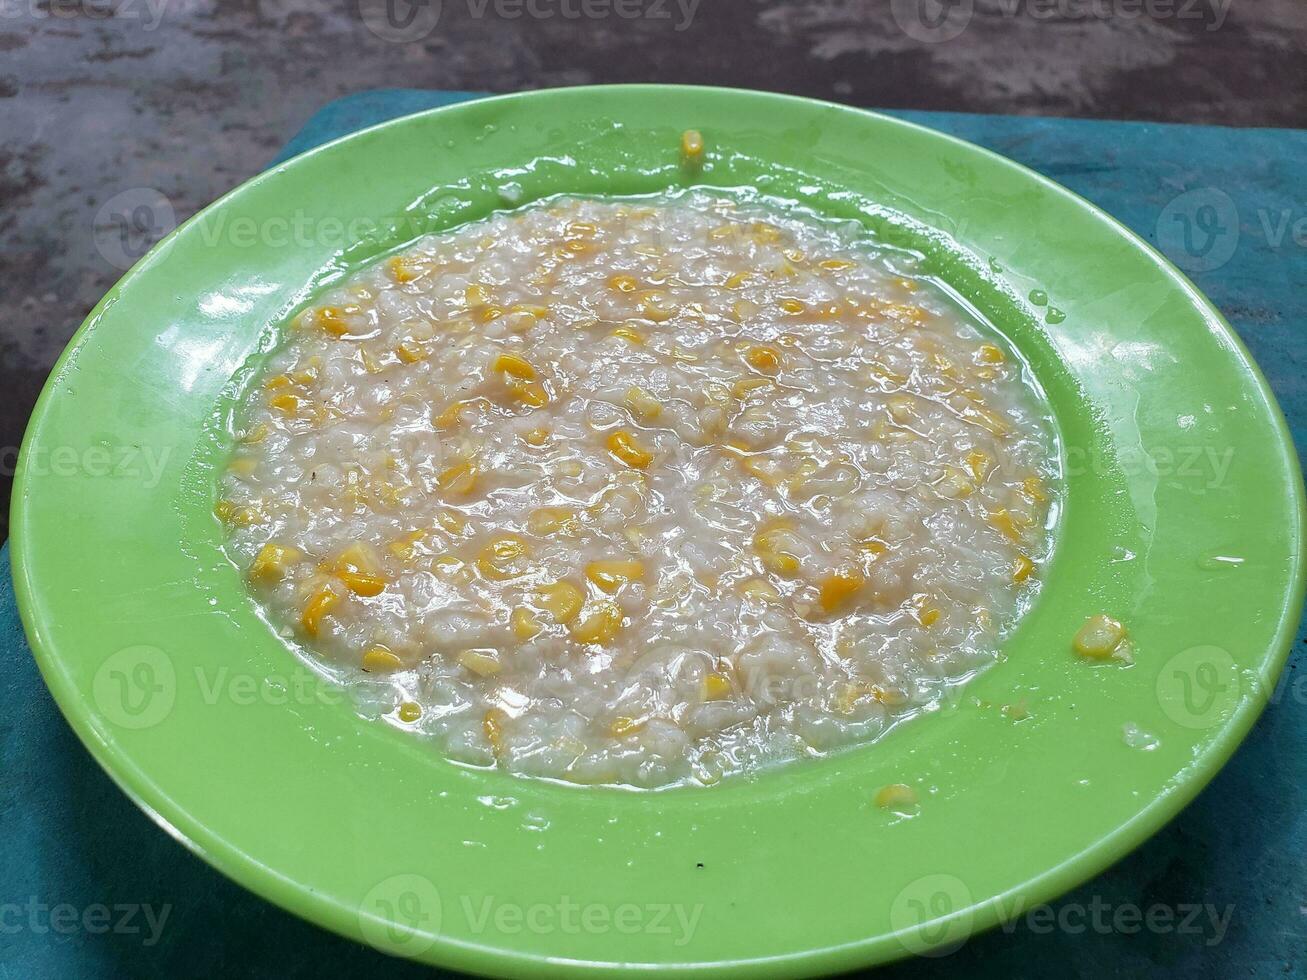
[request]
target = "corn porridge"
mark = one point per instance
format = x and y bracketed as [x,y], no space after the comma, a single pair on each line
[642,492]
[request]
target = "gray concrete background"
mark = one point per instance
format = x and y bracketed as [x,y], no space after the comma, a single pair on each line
[189,97]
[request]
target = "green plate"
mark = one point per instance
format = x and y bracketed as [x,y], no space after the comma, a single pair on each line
[1182,517]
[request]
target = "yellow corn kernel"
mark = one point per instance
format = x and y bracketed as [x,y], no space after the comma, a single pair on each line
[600,625]
[358,557]
[716,686]
[622,726]
[990,354]
[847,695]
[629,334]
[272,560]
[409,353]
[576,247]
[765,233]
[452,416]
[1100,637]
[896,796]
[514,366]
[834,265]
[906,313]
[550,520]
[285,403]
[483,661]
[532,309]
[476,295]
[745,386]
[403,269]
[278,381]
[902,409]
[763,358]
[793,306]
[223,510]
[979,463]
[450,566]
[1007,523]
[331,319]
[954,484]
[623,284]
[361,583]
[536,437]
[404,546]
[493,724]
[503,558]
[692,146]
[837,590]
[775,545]
[760,590]
[987,419]
[872,547]
[562,600]
[737,280]
[655,306]
[458,480]
[245,516]
[358,568]
[379,660]
[612,575]
[320,604]
[1033,487]
[581,229]
[928,615]
[256,434]
[642,404]
[625,447]
[409,712]
[1022,569]
[243,465]
[882,373]
[524,622]
[530,393]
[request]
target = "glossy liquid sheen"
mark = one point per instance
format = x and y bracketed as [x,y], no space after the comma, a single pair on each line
[642,492]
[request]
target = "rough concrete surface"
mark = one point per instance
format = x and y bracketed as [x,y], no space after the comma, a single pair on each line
[189,97]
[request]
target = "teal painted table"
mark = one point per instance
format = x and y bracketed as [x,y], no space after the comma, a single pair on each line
[89,887]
